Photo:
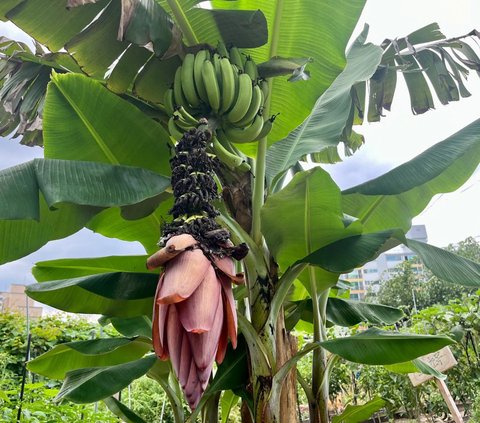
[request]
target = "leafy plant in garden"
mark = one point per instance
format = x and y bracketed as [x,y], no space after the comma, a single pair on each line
[116,86]
[39,406]
[46,333]
[38,403]
[458,319]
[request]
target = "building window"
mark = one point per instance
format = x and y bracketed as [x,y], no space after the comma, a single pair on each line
[394,257]
[355,274]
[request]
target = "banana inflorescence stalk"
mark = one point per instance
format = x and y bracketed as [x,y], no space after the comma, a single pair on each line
[223,86]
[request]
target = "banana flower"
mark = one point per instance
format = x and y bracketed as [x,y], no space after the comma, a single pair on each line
[194,311]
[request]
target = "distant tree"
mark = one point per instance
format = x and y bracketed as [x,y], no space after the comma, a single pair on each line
[403,289]
[441,292]
[468,248]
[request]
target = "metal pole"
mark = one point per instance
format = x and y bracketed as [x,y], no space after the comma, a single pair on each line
[27,311]
[163,410]
[414,301]
[93,337]
[24,377]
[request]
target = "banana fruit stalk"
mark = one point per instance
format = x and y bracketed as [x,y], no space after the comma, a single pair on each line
[222,85]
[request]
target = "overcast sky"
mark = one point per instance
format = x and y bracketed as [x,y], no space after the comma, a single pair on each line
[399,137]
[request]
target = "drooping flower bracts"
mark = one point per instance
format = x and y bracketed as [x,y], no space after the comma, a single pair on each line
[194,310]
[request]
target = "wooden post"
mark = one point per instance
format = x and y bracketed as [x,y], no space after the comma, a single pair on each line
[440,360]
[449,400]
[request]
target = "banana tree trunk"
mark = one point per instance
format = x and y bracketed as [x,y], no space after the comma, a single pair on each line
[282,346]
[287,347]
[318,406]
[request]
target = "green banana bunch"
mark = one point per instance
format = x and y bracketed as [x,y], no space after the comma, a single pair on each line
[221,85]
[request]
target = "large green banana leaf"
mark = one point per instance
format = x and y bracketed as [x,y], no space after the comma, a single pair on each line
[95,383]
[375,346]
[69,356]
[75,182]
[84,121]
[311,204]
[346,254]
[73,268]
[445,265]
[345,103]
[107,26]
[342,312]
[112,294]
[38,18]
[100,126]
[351,252]
[43,200]
[393,199]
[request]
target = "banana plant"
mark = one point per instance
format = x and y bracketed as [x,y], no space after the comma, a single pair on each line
[184,128]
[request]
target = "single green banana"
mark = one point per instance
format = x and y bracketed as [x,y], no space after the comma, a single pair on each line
[218,69]
[188,81]
[228,85]
[247,134]
[232,161]
[175,131]
[222,49]
[243,100]
[236,58]
[211,85]
[181,123]
[267,127]
[251,68]
[200,57]
[168,101]
[244,167]
[265,89]
[187,117]
[220,135]
[236,73]
[177,89]
[253,109]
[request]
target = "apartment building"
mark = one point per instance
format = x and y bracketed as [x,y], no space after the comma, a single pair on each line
[17,301]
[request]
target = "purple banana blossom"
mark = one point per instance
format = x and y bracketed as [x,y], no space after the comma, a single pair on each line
[194,311]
